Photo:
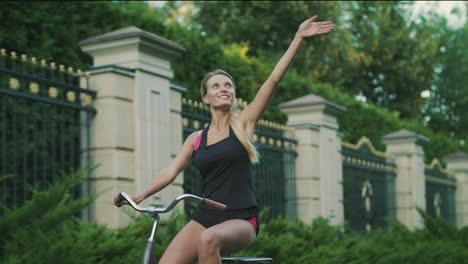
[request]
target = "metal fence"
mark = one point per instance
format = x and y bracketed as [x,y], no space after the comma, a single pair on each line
[440,192]
[273,177]
[368,186]
[43,111]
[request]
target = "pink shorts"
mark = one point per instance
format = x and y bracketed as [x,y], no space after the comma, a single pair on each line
[253,222]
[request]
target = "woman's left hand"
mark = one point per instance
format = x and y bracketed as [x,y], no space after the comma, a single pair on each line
[311,28]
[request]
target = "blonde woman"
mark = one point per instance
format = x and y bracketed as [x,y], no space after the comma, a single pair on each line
[224,154]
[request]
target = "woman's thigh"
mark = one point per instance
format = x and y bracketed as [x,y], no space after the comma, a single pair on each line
[233,235]
[183,248]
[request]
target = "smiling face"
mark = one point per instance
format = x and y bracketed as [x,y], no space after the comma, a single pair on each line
[220,92]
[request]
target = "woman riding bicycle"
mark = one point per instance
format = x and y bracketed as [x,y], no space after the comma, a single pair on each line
[224,154]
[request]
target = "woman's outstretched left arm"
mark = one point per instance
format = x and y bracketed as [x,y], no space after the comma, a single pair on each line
[251,113]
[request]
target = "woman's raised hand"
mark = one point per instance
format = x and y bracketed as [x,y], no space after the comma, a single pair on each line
[311,28]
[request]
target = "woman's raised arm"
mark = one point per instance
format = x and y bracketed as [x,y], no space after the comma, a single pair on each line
[251,113]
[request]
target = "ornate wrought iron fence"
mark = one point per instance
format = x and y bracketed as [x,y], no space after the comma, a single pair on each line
[368,186]
[273,177]
[43,110]
[440,192]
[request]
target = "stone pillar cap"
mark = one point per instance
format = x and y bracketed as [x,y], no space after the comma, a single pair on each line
[459,155]
[133,31]
[404,134]
[313,100]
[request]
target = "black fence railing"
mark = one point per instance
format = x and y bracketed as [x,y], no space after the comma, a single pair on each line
[43,112]
[440,192]
[273,177]
[368,186]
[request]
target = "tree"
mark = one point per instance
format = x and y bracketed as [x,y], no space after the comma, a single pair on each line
[446,109]
[376,51]
[51,30]
[267,28]
[397,56]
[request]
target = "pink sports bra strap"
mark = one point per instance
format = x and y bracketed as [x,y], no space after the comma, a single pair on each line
[197,141]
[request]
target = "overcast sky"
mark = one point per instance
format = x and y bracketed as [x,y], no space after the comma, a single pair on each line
[442,7]
[445,8]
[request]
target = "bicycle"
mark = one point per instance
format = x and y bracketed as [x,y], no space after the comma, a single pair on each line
[153,212]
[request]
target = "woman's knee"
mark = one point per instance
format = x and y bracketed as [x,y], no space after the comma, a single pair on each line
[209,241]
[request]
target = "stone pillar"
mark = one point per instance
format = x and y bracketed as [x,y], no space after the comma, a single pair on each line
[319,175]
[406,147]
[458,164]
[137,129]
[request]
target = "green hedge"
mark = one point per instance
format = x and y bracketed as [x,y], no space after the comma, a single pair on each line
[296,242]
[46,230]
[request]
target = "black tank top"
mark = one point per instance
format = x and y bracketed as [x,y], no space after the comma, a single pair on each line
[226,170]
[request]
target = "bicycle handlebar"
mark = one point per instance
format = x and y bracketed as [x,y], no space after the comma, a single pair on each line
[209,203]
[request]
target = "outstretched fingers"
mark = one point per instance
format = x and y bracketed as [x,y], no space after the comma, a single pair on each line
[325,27]
[325,23]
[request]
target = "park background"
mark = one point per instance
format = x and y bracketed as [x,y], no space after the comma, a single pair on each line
[389,71]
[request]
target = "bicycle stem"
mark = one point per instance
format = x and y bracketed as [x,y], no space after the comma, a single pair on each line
[153,231]
[148,256]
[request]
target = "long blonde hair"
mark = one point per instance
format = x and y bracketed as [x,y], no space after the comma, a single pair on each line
[234,121]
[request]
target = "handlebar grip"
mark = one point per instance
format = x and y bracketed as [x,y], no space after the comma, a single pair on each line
[120,199]
[214,205]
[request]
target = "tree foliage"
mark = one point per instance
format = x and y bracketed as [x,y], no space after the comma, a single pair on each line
[267,28]
[375,52]
[396,56]
[51,30]
[446,107]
